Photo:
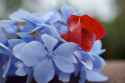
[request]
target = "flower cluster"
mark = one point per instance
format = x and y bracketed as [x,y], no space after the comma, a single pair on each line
[57,43]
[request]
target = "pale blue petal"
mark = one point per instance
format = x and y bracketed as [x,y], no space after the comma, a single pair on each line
[31,53]
[66,49]
[97,48]
[48,16]
[50,29]
[9,26]
[55,17]
[61,27]
[13,42]
[19,15]
[95,76]
[44,71]
[64,64]
[49,41]
[64,77]
[85,59]
[24,15]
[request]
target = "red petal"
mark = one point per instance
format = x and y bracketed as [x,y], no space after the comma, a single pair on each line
[81,37]
[75,37]
[93,25]
[83,30]
[87,23]
[87,40]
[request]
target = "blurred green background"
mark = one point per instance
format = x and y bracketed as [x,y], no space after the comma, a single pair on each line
[114,42]
[115,39]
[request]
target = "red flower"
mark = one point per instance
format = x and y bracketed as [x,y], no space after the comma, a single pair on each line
[83,30]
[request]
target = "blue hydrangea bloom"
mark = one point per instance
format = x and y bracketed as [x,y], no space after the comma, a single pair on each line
[32,41]
[42,56]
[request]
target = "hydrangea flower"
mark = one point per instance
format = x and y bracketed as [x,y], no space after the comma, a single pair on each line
[34,44]
[43,56]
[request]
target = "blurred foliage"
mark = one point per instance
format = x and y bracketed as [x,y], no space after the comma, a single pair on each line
[12,5]
[115,39]
[114,42]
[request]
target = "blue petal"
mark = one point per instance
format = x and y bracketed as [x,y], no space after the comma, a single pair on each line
[13,42]
[55,18]
[24,15]
[9,26]
[27,27]
[31,53]
[61,27]
[66,49]
[17,49]
[98,63]
[50,42]
[64,64]
[64,77]
[44,71]
[95,76]
[46,17]
[85,59]
[97,48]
[50,29]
